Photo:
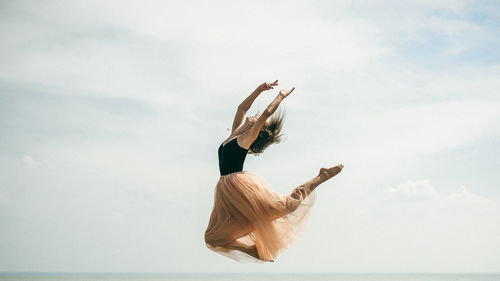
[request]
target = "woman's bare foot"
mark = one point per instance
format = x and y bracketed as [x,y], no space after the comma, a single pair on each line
[327,173]
[253,252]
[323,175]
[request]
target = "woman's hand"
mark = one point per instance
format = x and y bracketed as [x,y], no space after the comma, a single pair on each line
[285,93]
[267,86]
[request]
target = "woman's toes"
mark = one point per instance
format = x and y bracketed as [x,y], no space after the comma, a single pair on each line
[332,171]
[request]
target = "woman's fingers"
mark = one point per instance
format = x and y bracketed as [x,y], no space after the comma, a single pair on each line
[267,86]
[285,93]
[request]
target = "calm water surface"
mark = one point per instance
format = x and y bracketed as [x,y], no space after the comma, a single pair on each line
[244,277]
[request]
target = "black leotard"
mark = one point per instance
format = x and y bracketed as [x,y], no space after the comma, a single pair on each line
[231,157]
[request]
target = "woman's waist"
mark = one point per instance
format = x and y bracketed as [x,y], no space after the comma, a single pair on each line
[233,173]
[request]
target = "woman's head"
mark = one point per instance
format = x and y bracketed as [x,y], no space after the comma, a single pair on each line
[269,133]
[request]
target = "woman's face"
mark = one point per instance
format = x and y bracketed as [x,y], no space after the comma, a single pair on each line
[252,119]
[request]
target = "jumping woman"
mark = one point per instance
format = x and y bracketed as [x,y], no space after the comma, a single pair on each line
[249,220]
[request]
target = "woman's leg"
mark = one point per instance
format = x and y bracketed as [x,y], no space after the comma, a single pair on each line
[299,193]
[227,238]
[250,250]
[324,175]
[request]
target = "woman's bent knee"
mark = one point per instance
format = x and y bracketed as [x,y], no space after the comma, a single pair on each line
[291,203]
[213,241]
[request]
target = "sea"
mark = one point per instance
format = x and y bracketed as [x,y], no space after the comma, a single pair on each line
[245,277]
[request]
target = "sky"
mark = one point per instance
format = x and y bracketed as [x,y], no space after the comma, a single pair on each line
[111,113]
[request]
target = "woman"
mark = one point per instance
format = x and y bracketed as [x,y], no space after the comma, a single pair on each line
[249,220]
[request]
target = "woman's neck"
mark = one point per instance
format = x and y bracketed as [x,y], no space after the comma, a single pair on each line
[242,129]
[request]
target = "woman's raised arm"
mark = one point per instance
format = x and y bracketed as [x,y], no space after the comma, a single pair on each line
[251,135]
[247,103]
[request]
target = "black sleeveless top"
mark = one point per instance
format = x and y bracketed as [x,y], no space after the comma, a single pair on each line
[231,157]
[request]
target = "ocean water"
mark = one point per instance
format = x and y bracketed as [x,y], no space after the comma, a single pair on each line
[243,277]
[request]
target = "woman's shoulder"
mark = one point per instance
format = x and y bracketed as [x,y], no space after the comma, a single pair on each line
[230,138]
[238,139]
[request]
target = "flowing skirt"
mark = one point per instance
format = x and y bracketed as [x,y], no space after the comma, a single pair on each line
[251,222]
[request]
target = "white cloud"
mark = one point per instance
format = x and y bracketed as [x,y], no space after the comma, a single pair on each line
[4,198]
[28,160]
[464,197]
[414,190]
[435,127]
[182,69]
[125,55]
[423,190]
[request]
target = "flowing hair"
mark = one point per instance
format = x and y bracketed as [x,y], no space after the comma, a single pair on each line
[269,133]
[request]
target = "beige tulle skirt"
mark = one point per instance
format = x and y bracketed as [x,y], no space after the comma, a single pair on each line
[251,222]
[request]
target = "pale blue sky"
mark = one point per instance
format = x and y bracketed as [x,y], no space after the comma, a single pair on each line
[111,113]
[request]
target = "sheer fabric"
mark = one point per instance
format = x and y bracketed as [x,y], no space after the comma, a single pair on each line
[251,222]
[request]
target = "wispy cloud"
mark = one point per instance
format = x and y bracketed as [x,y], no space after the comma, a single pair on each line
[413,190]
[111,112]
